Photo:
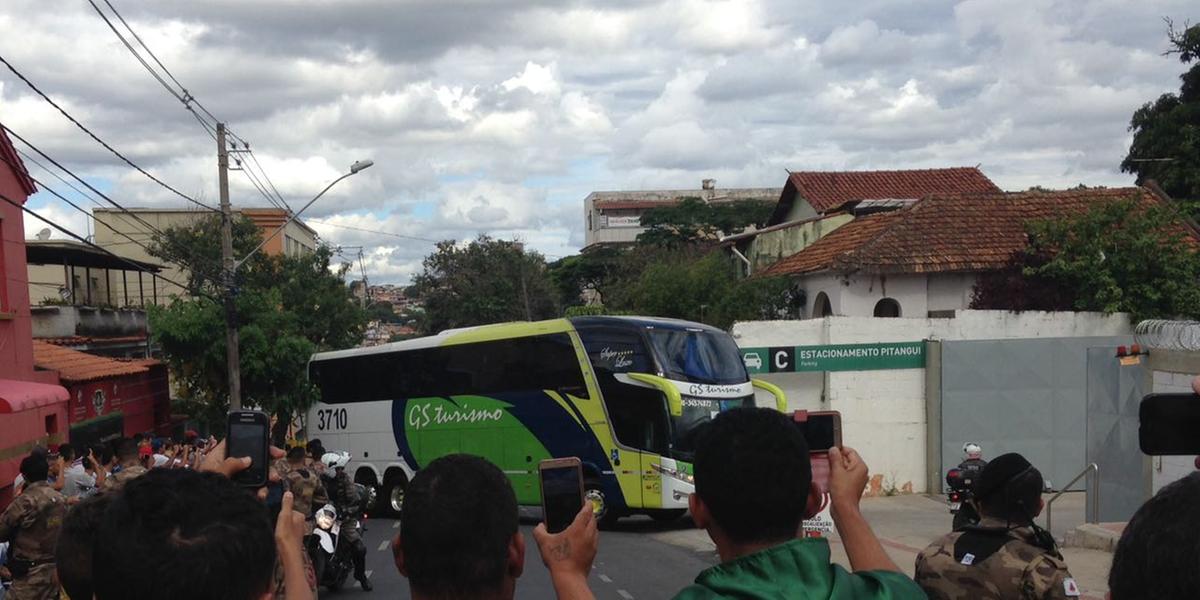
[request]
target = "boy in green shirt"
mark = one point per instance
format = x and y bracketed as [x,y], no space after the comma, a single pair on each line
[754,489]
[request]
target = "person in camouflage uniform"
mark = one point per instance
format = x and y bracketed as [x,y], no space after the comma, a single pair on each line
[1006,556]
[31,524]
[130,465]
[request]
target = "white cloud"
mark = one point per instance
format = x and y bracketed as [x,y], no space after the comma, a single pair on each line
[499,117]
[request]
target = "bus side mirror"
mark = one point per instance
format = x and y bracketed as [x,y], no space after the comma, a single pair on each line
[674,398]
[774,390]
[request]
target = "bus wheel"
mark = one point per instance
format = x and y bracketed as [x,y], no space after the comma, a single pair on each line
[668,515]
[392,496]
[604,516]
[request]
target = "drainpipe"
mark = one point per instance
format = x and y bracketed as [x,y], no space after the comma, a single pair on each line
[738,253]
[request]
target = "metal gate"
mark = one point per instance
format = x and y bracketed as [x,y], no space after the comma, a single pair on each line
[1115,389]
[1017,395]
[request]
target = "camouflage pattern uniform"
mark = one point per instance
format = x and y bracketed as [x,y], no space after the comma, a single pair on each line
[118,480]
[307,491]
[31,523]
[345,496]
[990,562]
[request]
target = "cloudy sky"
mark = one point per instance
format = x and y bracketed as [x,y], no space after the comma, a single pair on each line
[499,116]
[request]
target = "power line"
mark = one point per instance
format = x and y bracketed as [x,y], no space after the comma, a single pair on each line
[76,122]
[185,97]
[75,236]
[377,232]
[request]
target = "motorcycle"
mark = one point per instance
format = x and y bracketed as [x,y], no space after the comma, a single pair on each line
[959,498]
[331,553]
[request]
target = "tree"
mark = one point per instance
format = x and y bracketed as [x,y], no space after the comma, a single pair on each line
[694,220]
[288,308]
[1166,132]
[1117,257]
[486,281]
[383,310]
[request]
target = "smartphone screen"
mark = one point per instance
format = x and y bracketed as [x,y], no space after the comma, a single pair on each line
[248,437]
[562,492]
[1169,424]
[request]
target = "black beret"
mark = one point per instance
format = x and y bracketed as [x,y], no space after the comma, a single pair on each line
[998,472]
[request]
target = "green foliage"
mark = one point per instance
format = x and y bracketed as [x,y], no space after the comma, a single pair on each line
[694,220]
[383,311]
[1166,132]
[593,269]
[288,308]
[198,250]
[486,281]
[591,311]
[1117,257]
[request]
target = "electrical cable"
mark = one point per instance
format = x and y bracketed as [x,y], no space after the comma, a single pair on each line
[376,231]
[83,128]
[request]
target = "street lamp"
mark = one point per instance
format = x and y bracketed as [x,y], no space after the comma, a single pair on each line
[354,170]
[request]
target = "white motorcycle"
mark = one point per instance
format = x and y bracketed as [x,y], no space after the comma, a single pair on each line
[331,561]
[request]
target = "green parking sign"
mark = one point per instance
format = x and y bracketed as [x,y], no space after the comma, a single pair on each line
[835,357]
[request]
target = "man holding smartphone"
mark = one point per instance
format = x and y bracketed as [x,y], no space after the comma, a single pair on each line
[753,491]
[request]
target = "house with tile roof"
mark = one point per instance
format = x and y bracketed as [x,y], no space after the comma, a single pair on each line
[109,398]
[923,260]
[814,203]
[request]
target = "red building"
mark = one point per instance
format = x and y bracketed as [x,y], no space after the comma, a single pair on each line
[110,398]
[33,407]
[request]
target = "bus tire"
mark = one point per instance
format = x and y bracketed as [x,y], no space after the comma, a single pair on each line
[667,515]
[606,516]
[391,494]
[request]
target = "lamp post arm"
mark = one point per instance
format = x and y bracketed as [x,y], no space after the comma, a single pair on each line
[294,216]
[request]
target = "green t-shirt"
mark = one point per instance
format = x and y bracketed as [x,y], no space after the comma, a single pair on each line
[797,570]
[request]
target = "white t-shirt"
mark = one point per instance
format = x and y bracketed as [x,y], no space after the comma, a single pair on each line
[78,480]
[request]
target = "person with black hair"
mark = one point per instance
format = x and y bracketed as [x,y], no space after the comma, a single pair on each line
[1006,555]
[753,491]
[1157,556]
[460,539]
[73,554]
[82,473]
[128,466]
[31,524]
[188,535]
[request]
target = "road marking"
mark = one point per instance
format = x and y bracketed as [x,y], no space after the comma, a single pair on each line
[396,525]
[383,545]
[605,579]
[624,594]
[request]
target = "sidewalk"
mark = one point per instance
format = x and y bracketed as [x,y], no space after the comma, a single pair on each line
[907,524]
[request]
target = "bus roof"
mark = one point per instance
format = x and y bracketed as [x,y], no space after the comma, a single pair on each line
[499,331]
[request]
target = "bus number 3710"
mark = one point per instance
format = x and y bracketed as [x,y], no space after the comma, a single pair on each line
[331,418]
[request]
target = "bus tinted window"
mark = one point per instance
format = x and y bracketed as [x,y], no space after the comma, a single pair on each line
[616,350]
[545,362]
[698,356]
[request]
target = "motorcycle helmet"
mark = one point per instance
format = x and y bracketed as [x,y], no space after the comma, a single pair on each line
[335,460]
[972,450]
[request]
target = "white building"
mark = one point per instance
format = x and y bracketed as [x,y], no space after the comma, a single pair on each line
[616,217]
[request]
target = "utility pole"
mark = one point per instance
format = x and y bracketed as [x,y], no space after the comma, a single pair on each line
[227,274]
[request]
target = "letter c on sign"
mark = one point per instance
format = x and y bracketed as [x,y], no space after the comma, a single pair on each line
[781,361]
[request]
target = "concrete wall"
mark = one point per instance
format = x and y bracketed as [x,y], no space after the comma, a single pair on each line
[857,295]
[883,412]
[949,291]
[768,247]
[68,321]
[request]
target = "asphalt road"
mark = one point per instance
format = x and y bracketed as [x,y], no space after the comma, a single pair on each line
[630,564]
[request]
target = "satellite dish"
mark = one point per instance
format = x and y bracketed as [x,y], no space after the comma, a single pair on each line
[44,234]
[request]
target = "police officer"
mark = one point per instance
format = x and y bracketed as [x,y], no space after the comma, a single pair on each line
[1006,556]
[346,498]
[307,490]
[968,474]
[31,524]
[129,466]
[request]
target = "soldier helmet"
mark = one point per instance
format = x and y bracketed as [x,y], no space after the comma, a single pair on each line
[972,450]
[335,460]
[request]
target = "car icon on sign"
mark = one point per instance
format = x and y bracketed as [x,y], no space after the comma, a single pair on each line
[752,360]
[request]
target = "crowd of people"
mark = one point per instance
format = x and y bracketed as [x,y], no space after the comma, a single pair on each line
[167,522]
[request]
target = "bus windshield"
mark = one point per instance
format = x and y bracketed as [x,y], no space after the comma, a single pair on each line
[698,356]
[697,412]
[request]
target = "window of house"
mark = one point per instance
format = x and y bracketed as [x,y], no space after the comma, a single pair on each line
[887,308]
[822,307]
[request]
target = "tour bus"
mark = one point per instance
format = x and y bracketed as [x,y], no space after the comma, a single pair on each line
[624,394]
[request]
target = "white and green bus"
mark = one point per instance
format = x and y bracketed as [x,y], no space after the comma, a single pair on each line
[624,394]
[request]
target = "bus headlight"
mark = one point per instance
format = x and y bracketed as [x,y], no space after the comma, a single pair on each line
[675,474]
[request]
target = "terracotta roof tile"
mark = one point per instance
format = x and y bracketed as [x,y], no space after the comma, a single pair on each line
[829,190]
[76,367]
[947,233]
[820,254]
